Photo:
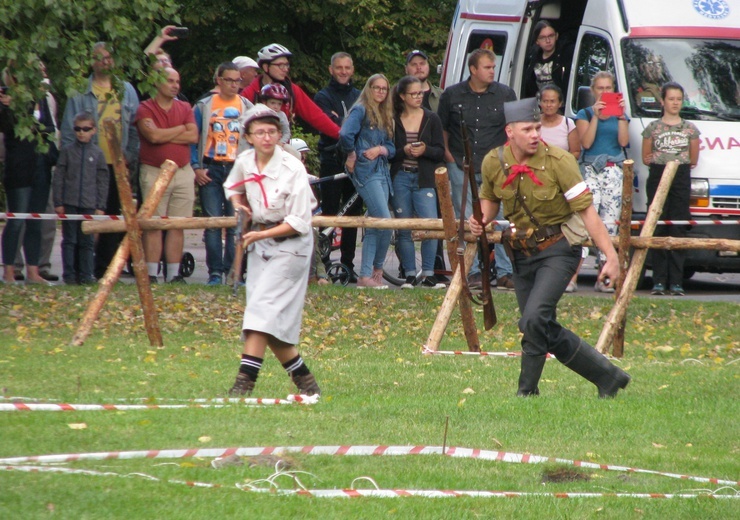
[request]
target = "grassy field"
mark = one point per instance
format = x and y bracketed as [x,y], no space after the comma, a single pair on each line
[679,414]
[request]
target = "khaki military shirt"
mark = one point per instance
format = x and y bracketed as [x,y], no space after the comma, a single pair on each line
[562,193]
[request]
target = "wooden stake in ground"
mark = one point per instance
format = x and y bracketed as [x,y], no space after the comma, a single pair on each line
[619,310]
[625,231]
[466,307]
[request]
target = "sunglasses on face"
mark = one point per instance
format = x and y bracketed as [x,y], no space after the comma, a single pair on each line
[84,128]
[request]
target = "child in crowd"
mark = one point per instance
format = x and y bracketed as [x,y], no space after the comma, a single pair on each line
[670,138]
[274,95]
[80,188]
[317,271]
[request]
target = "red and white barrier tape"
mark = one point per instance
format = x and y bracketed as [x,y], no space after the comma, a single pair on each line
[448,493]
[369,493]
[196,403]
[472,453]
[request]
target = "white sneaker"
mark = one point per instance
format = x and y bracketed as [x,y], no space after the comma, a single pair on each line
[600,287]
[572,287]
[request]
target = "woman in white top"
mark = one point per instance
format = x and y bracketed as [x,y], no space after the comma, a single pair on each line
[558,130]
[271,186]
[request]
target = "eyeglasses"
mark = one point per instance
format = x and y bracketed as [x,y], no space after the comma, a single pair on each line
[379,89]
[233,81]
[84,128]
[281,66]
[416,95]
[262,133]
[547,37]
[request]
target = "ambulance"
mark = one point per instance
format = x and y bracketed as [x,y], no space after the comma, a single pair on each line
[643,43]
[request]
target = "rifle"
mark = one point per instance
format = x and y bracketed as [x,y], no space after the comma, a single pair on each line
[489,311]
[235,273]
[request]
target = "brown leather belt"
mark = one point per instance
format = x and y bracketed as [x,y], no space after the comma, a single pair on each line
[263,227]
[533,242]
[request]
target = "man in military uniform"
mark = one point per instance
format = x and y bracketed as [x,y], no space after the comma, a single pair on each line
[542,188]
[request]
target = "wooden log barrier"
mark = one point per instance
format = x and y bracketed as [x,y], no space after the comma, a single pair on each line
[638,259]
[105,286]
[671,243]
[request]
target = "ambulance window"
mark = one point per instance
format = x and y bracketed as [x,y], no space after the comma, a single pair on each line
[495,41]
[594,55]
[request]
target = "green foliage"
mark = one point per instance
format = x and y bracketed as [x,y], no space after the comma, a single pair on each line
[378,34]
[61,33]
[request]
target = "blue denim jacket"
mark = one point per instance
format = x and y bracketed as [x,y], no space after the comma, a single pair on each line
[357,135]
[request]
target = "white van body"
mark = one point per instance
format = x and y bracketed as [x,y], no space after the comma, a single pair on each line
[693,42]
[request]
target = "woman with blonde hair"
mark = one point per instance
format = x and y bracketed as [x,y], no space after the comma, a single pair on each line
[603,139]
[367,139]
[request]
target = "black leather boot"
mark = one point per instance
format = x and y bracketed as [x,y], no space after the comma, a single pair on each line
[530,375]
[594,366]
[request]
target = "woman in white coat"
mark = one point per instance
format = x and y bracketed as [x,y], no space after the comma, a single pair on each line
[271,186]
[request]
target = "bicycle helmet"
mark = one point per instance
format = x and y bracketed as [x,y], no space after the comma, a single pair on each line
[299,144]
[272,52]
[274,91]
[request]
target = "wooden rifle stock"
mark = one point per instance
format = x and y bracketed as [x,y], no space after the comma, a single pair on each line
[489,310]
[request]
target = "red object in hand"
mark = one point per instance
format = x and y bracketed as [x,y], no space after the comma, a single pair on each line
[612,100]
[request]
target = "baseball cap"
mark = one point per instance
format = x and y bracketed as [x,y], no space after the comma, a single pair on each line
[415,53]
[244,61]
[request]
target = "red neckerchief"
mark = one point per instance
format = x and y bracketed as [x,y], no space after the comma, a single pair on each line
[256,177]
[519,169]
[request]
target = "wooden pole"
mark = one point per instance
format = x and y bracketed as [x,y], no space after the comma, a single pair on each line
[451,298]
[105,286]
[672,243]
[625,230]
[448,218]
[638,259]
[117,226]
[128,207]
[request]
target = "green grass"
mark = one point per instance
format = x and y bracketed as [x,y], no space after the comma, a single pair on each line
[679,414]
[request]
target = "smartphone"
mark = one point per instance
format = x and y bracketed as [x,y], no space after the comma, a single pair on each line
[612,107]
[179,32]
[418,143]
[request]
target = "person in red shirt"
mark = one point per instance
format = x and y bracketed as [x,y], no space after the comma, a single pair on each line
[167,129]
[275,63]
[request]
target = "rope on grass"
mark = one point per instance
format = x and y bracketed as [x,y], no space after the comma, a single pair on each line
[195,403]
[457,452]
[369,493]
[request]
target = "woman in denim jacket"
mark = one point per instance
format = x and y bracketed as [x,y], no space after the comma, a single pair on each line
[367,139]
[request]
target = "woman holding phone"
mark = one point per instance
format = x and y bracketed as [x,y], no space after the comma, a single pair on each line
[419,149]
[603,139]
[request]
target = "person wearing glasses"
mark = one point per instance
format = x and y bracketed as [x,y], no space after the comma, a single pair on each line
[80,188]
[420,148]
[274,60]
[367,139]
[271,187]
[219,118]
[105,102]
[549,61]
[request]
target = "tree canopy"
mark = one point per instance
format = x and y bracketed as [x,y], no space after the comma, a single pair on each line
[378,34]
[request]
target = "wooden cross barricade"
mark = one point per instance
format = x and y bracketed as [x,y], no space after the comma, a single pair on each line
[426,228]
[130,244]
